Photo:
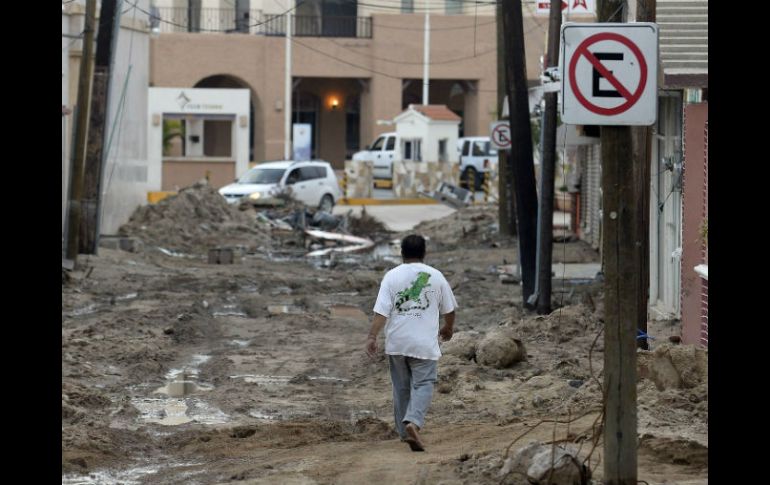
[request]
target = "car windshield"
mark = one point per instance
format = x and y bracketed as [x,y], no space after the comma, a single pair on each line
[262,176]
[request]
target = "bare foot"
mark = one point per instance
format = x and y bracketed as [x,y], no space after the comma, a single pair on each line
[413,438]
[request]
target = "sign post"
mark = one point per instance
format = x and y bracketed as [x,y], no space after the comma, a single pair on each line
[609,78]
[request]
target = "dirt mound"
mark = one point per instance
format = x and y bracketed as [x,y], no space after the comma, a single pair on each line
[470,226]
[677,451]
[674,366]
[562,325]
[367,225]
[500,348]
[463,345]
[194,220]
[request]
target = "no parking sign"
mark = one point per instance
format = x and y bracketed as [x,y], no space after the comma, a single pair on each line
[610,73]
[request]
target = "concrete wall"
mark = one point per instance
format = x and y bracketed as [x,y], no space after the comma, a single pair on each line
[125,183]
[694,204]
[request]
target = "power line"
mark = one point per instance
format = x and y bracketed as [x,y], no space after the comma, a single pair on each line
[342,60]
[432,29]
[412,63]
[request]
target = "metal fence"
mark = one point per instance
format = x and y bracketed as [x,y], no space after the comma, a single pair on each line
[208,20]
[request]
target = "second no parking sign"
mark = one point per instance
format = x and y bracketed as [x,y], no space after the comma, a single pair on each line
[609,73]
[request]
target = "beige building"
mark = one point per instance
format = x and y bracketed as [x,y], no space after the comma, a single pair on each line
[354,64]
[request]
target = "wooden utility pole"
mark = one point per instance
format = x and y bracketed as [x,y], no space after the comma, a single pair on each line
[506,205]
[622,236]
[548,170]
[523,167]
[98,122]
[81,131]
[641,138]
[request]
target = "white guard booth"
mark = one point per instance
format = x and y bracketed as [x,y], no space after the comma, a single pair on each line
[428,137]
[196,133]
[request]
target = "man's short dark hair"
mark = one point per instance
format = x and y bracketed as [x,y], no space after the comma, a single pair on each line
[413,247]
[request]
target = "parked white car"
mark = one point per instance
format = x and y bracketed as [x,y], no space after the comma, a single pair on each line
[477,156]
[382,153]
[312,183]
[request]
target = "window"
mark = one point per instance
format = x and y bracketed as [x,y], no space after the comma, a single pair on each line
[466,148]
[489,149]
[309,173]
[262,176]
[454,7]
[407,6]
[442,150]
[412,150]
[378,144]
[478,149]
[293,177]
[391,143]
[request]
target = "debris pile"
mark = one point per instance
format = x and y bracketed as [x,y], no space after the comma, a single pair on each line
[194,220]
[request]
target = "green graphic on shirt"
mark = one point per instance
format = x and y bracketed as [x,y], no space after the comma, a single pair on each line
[414,293]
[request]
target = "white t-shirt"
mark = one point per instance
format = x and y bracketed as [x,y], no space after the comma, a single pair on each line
[412,296]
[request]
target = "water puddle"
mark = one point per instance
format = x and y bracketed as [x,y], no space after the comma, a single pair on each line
[284,309]
[240,343]
[263,379]
[181,388]
[281,290]
[274,380]
[129,296]
[108,477]
[86,310]
[271,414]
[175,411]
[174,254]
[229,310]
[389,251]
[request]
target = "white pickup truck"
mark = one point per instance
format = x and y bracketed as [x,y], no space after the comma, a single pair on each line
[383,152]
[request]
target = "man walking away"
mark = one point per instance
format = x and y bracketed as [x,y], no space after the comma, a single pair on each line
[412,297]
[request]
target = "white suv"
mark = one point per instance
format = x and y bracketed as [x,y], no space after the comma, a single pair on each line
[477,156]
[312,183]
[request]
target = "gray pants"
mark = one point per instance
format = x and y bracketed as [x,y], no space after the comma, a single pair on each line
[413,381]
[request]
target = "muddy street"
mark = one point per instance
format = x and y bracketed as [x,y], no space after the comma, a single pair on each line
[180,371]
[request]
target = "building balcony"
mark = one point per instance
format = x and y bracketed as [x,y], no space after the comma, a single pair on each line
[255,22]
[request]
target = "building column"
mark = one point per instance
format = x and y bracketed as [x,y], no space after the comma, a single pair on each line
[382,101]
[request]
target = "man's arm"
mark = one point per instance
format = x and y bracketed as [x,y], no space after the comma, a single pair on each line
[448,329]
[371,341]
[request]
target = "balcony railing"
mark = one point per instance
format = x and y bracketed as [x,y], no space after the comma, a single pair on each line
[208,20]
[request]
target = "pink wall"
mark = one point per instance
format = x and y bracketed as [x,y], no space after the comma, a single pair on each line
[694,212]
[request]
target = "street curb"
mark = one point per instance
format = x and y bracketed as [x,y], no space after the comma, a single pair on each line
[386,202]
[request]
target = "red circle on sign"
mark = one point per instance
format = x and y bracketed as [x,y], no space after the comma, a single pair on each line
[583,50]
[501,129]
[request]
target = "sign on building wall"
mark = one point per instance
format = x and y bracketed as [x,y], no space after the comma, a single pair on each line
[568,7]
[609,73]
[302,141]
